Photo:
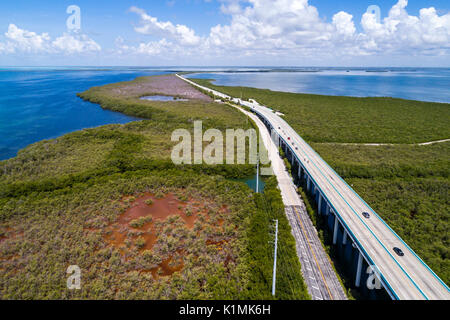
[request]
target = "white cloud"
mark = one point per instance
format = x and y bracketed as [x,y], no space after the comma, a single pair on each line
[151,48]
[26,40]
[344,24]
[20,40]
[71,44]
[295,28]
[285,30]
[152,26]
[400,31]
[272,24]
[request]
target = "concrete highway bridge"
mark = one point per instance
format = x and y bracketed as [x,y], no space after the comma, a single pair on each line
[365,242]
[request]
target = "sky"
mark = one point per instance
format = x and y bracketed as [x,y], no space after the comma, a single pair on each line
[349,33]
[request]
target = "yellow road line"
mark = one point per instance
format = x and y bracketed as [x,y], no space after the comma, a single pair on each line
[314,255]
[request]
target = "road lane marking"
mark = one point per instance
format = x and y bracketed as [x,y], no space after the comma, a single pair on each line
[312,251]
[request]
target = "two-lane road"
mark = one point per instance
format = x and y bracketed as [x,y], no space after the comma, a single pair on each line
[408,276]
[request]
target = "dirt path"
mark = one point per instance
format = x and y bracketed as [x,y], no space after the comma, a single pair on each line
[386,144]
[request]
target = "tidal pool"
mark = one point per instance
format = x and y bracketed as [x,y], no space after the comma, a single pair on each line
[162,98]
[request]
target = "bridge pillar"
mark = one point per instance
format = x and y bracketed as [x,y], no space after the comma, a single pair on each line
[358,270]
[344,238]
[308,183]
[327,210]
[335,231]
[319,205]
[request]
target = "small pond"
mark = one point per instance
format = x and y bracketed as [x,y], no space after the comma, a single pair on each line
[163,98]
[251,182]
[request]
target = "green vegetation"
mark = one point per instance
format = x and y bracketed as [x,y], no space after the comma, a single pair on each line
[59,199]
[290,284]
[407,184]
[346,119]
[138,223]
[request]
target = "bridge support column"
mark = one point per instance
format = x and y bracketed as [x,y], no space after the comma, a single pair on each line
[319,205]
[308,183]
[335,231]
[344,238]
[358,271]
[327,210]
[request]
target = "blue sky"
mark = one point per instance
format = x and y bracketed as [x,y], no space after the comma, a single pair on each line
[226,32]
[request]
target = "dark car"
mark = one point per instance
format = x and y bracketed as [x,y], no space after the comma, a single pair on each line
[366,215]
[398,251]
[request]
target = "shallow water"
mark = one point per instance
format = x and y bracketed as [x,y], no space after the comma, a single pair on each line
[425,84]
[162,98]
[251,182]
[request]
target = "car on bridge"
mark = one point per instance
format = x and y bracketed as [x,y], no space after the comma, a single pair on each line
[398,251]
[366,215]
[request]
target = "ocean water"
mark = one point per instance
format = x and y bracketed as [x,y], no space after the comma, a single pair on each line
[426,84]
[41,103]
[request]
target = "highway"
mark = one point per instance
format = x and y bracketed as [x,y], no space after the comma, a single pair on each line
[405,277]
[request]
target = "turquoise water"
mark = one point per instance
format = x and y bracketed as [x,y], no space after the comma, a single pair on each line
[39,103]
[426,84]
[251,182]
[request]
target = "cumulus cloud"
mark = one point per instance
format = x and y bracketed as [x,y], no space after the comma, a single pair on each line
[343,22]
[151,25]
[151,48]
[71,44]
[20,40]
[272,24]
[294,27]
[400,31]
[26,40]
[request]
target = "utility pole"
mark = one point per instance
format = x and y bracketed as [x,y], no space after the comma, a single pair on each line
[274,277]
[257,175]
